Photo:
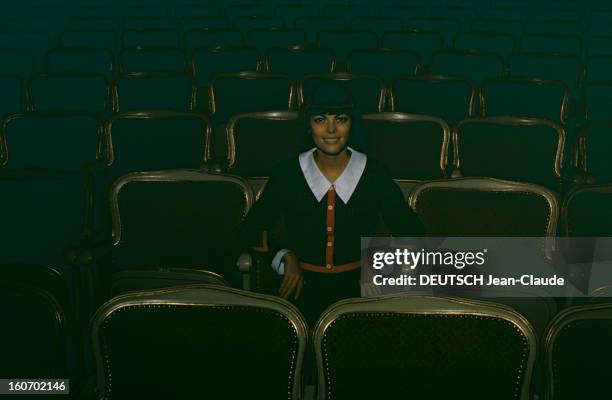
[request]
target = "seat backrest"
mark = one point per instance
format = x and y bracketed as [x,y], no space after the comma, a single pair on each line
[265,39]
[178,218]
[55,141]
[232,94]
[80,61]
[479,350]
[485,207]
[451,99]
[473,65]
[413,147]
[209,38]
[447,27]
[367,91]
[69,92]
[567,69]
[520,149]
[425,44]
[154,91]
[159,60]
[50,216]
[257,142]
[300,61]
[489,42]
[343,41]
[148,141]
[397,63]
[188,342]
[557,44]
[94,38]
[598,99]
[521,97]
[576,352]
[144,38]
[586,211]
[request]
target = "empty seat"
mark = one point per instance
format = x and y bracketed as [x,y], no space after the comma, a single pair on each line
[101,39]
[46,218]
[178,218]
[299,61]
[12,99]
[556,44]
[93,22]
[208,38]
[150,38]
[533,98]
[210,62]
[598,100]
[425,44]
[202,23]
[312,25]
[18,63]
[512,27]
[147,141]
[146,23]
[367,91]
[586,211]
[413,147]
[195,10]
[249,92]
[447,27]
[554,27]
[250,135]
[135,280]
[485,207]
[599,45]
[575,351]
[597,138]
[446,340]
[154,91]
[36,327]
[247,23]
[264,39]
[69,92]
[152,60]
[376,24]
[520,149]
[599,68]
[499,43]
[79,60]
[55,141]
[473,65]
[567,69]
[396,63]
[451,99]
[342,42]
[186,342]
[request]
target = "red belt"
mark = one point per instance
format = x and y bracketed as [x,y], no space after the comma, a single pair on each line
[329,269]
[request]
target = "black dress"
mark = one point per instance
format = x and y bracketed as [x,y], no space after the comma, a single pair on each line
[289,204]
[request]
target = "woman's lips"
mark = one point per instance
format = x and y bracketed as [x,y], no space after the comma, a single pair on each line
[331,141]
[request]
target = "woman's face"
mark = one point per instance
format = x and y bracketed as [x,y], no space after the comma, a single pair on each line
[330,132]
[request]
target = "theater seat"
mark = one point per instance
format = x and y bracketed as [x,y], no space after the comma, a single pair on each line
[232,94]
[413,147]
[69,92]
[586,211]
[520,149]
[178,219]
[199,341]
[576,352]
[300,61]
[154,91]
[423,347]
[257,142]
[80,60]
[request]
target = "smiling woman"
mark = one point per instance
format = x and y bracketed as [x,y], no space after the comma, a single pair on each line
[325,201]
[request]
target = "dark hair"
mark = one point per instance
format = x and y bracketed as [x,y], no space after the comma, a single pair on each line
[331,97]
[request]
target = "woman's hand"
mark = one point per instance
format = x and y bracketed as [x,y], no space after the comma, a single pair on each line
[294,279]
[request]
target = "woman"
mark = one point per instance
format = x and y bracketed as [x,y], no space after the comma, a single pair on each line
[325,201]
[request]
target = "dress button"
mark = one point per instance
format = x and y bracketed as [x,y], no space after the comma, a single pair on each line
[328,266]
[329,244]
[330,207]
[329,229]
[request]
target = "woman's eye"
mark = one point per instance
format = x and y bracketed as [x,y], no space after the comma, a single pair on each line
[342,119]
[319,120]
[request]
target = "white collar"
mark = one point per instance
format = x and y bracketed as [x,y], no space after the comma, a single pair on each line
[345,184]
